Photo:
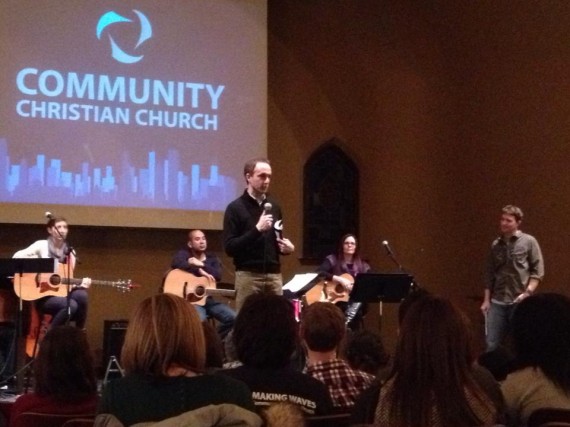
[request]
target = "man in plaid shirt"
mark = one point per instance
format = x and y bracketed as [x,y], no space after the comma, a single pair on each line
[322,330]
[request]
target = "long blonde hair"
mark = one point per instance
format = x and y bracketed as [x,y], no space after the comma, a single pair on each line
[164,332]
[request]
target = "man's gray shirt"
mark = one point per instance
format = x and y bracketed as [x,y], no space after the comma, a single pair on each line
[511,264]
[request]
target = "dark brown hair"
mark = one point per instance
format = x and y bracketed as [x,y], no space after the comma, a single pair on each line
[433,368]
[265,332]
[53,220]
[357,261]
[250,165]
[64,366]
[322,326]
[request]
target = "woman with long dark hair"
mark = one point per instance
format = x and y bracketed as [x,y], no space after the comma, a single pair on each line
[433,382]
[341,268]
[64,376]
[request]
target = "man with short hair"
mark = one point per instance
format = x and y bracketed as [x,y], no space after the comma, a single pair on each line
[322,330]
[194,259]
[265,337]
[514,269]
[252,235]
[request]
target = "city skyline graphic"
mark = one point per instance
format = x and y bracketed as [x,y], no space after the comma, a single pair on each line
[165,182]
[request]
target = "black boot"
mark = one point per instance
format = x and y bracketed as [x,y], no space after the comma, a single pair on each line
[351,312]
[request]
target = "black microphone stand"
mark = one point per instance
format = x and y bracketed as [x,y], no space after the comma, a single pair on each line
[393,258]
[68,252]
[391,255]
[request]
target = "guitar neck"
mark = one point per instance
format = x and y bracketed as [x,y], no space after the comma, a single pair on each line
[72,281]
[222,292]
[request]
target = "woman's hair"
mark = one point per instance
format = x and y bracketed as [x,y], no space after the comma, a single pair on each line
[432,368]
[53,220]
[541,335]
[356,260]
[265,332]
[165,331]
[64,366]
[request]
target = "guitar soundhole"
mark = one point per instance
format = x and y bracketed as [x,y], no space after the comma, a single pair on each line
[55,279]
[200,291]
[339,289]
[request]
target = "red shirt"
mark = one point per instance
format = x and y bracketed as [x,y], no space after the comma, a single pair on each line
[31,402]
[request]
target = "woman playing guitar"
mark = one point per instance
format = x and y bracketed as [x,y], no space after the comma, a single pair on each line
[55,246]
[340,269]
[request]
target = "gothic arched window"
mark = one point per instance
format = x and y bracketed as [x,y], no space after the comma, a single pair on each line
[330,200]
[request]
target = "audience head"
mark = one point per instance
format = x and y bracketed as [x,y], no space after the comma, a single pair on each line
[322,327]
[435,334]
[498,361]
[165,332]
[365,351]
[265,331]
[64,365]
[408,301]
[435,354]
[541,335]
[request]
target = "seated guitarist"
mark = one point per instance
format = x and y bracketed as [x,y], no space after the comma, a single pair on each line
[194,259]
[55,246]
[346,261]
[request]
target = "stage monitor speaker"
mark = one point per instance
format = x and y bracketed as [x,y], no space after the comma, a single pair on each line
[113,337]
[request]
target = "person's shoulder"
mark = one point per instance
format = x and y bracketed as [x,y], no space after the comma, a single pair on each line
[237,372]
[212,255]
[220,377]
[529,237]
[496,241]
[331,258]
[36,248]
[25,400]
[183,250]
[306,380]
[240,199]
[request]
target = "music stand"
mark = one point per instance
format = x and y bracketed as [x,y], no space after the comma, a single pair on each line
[381,287]
[14,267]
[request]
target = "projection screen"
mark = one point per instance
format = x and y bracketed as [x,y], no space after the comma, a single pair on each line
[129,113]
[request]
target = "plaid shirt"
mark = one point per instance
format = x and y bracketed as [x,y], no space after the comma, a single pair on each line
[344,383]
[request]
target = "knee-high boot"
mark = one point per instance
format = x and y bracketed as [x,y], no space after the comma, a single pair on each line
[351,311]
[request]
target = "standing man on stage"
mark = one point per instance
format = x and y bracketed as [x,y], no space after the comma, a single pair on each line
[55,246]
[250,237]
[515,268]
[194,259]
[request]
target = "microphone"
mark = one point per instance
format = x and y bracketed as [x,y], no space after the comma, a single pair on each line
[278,226]
[49,215]
[387,247]
[267,207]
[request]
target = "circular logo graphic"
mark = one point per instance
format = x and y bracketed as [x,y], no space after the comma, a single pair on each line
[109,19]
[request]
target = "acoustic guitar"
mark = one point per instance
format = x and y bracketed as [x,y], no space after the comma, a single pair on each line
[33,286]
[192,288]
[329,291]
